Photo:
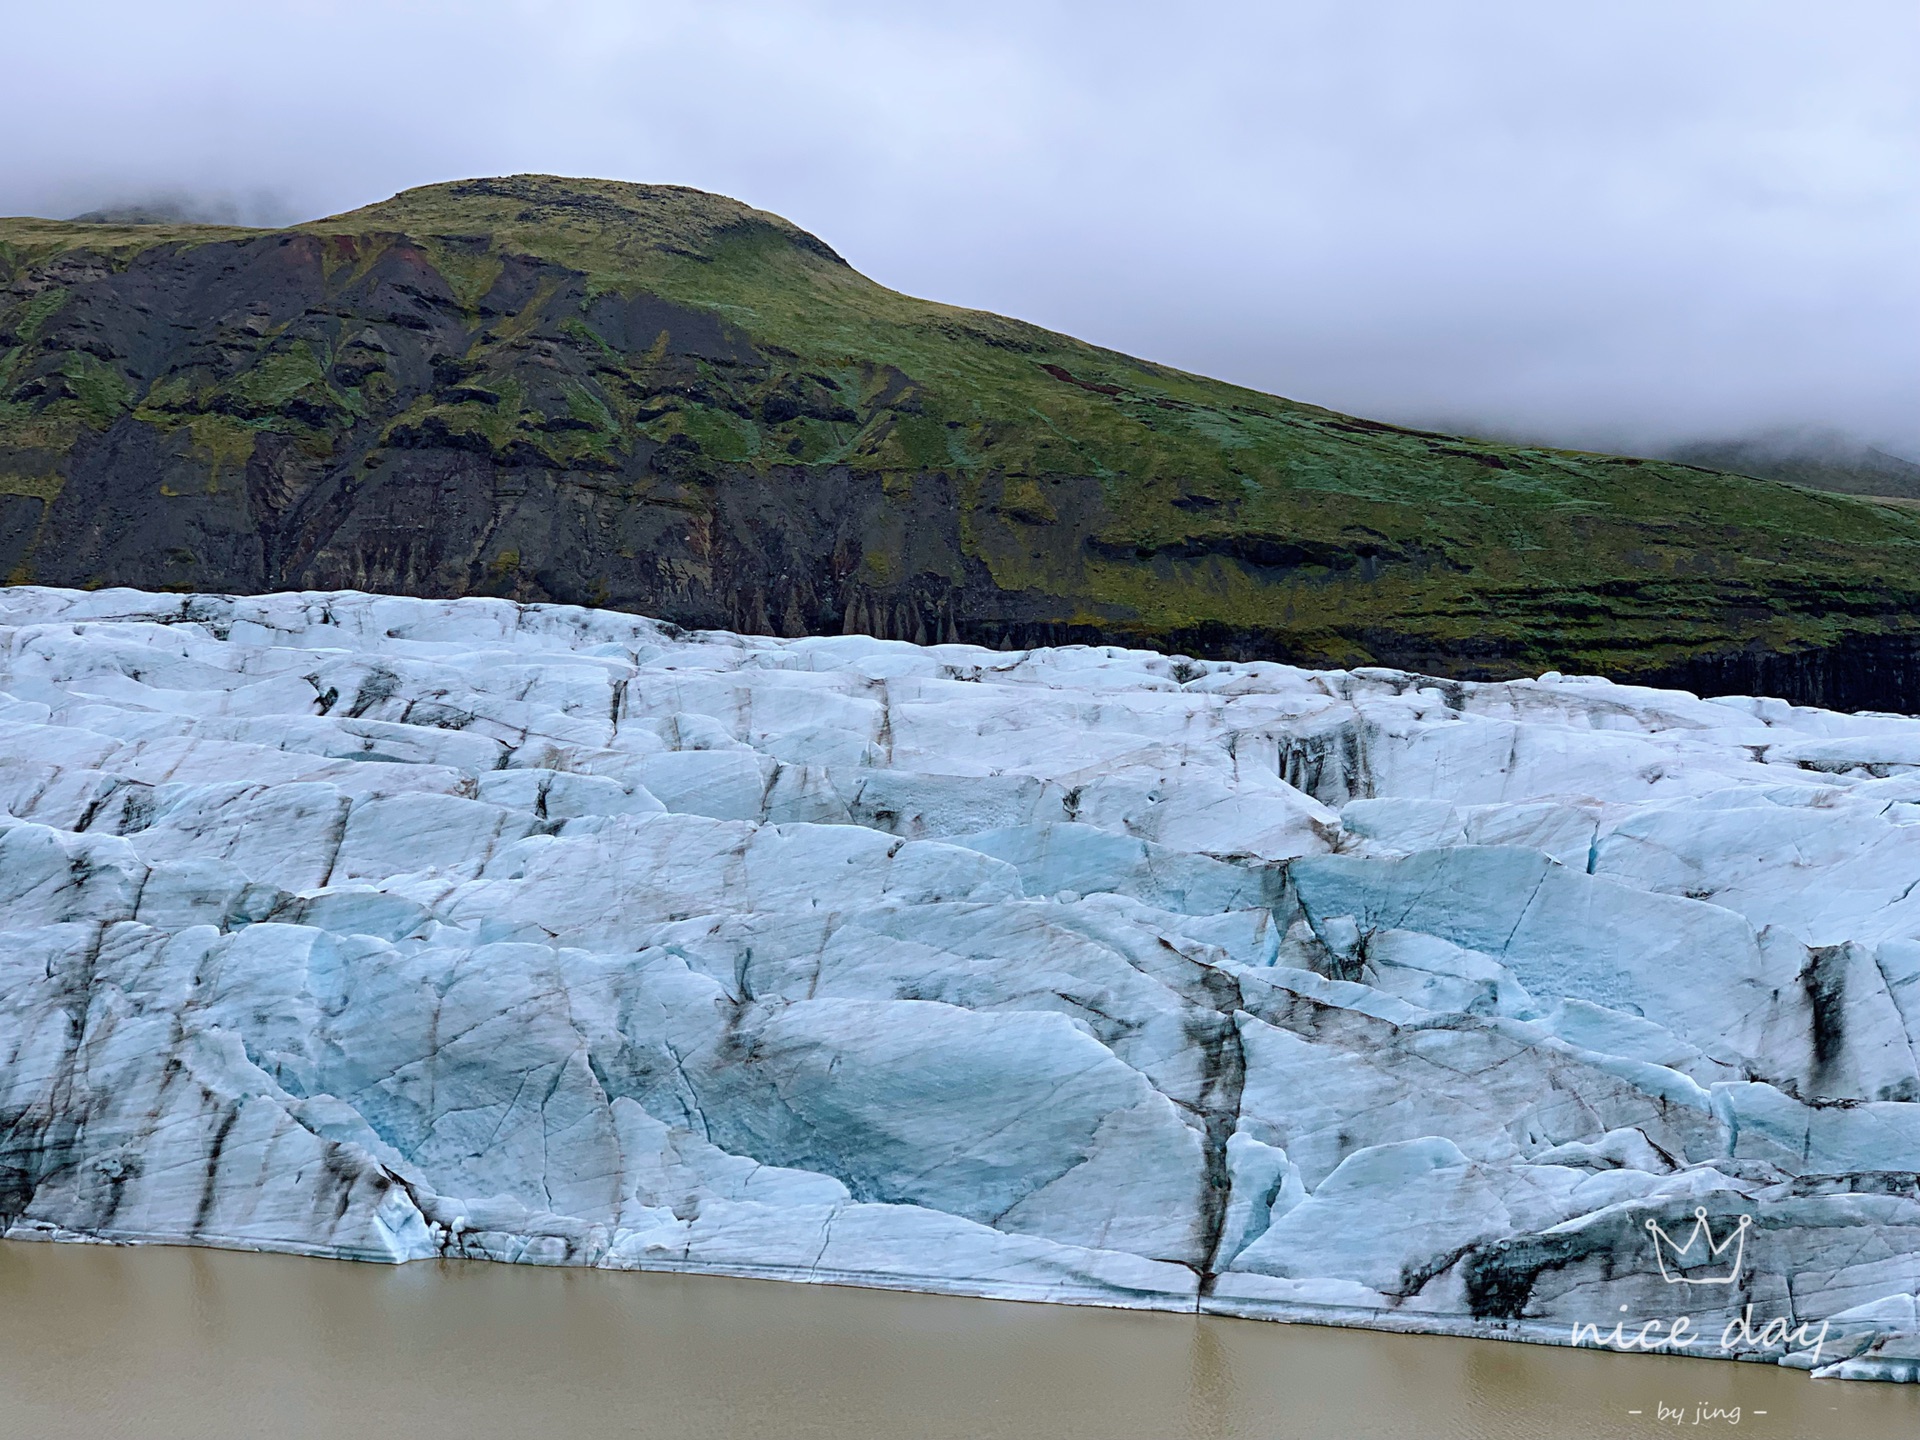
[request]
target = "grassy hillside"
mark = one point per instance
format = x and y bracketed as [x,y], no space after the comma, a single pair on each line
[1823,460]
[663,400]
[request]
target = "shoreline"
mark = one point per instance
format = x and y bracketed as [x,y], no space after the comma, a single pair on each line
[1541,1333]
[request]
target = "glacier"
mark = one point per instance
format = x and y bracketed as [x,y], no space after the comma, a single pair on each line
[388,928]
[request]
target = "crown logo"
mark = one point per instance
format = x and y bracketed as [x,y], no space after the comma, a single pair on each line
[1700,1247]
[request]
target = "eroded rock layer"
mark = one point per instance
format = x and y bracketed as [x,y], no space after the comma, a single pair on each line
[392,928]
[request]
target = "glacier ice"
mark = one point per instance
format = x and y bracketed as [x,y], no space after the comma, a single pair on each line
[390,928]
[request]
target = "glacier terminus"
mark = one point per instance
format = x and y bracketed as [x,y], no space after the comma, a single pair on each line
[387,928]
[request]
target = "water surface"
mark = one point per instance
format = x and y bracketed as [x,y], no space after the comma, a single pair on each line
[155,1343]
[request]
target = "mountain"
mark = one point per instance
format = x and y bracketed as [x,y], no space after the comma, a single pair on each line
[1823,459]
[664,401]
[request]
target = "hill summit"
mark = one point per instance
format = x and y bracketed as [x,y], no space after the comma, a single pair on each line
[616,217]
[665,401]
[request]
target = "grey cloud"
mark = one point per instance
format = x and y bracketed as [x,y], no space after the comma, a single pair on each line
[1617,225]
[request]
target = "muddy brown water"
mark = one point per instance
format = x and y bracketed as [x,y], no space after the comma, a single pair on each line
[153,1343]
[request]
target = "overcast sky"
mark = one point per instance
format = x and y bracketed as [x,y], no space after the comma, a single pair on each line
[1603,221]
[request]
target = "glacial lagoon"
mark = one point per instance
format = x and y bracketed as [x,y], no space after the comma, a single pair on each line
[165,1343]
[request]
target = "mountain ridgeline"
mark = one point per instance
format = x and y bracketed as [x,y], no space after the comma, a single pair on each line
[663,401]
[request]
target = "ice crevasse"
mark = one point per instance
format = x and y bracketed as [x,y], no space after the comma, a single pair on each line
[390,928]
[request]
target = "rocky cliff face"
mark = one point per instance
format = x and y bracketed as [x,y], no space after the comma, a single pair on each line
[662,401]
[396,928]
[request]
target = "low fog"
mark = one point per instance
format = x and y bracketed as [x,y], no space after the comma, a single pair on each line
[1627,226]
